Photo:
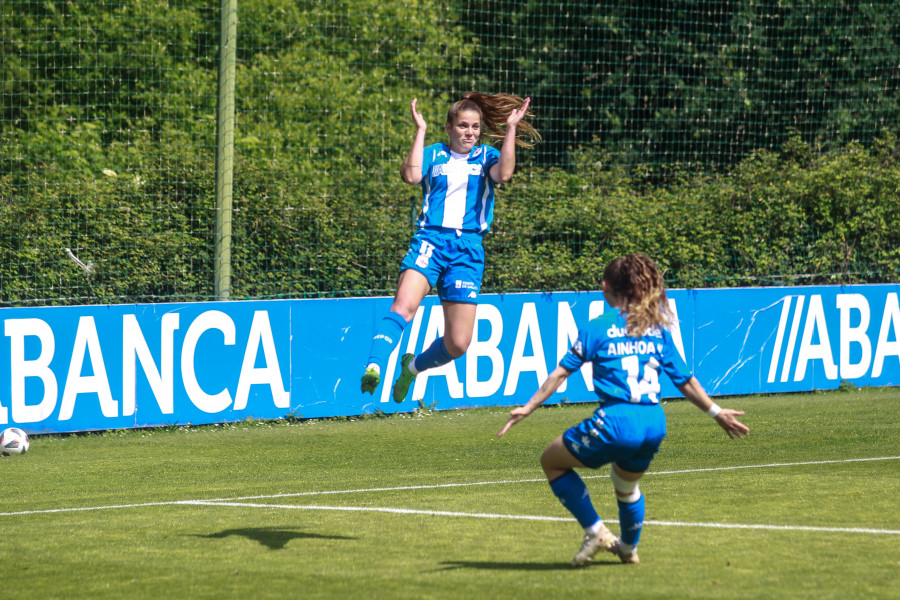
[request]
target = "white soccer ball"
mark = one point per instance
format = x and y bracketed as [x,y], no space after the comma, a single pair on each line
[13,441]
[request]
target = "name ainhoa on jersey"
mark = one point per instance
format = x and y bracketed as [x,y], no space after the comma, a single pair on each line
[633,347]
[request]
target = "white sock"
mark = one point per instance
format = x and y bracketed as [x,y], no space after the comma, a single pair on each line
[595,528]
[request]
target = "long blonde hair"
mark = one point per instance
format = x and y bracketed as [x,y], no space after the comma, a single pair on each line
[494,109]
[636,279]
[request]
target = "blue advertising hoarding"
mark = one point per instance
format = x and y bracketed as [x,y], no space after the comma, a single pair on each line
[85,368]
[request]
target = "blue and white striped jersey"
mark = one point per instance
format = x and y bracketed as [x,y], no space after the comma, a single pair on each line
[626,369]
[457,190]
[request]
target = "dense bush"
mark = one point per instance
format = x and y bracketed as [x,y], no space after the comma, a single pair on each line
[108,147]
[794,217]
[704,82]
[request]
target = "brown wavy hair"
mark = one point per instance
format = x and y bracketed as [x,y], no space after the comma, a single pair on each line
[494,109]
[636,279]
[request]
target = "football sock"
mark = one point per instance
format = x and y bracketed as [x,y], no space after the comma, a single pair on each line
[435,356]
[573,494]
[387,334]
[631,519]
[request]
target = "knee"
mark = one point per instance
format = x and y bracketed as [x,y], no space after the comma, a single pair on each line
[549,465]
[627,491]
[404,309]
[457,344]
[545,459]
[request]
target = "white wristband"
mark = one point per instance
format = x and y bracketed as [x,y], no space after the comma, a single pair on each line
[714,410]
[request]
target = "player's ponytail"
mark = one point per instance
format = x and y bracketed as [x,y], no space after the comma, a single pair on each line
[636,279]
[494,109]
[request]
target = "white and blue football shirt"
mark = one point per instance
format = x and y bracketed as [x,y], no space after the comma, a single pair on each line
[458,192]
[626,369]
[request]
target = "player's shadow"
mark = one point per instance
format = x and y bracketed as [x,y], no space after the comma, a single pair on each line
[493,565]
[274,538]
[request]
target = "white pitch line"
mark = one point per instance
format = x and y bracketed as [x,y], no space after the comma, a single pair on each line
[435,486]
[380,509]
[444,513]
[773,465]
[420,487]
[47,511]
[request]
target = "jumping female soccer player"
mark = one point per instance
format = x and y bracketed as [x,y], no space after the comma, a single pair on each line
[457,182]
[627,349]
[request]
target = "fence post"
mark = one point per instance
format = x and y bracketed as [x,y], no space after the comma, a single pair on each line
[225,147]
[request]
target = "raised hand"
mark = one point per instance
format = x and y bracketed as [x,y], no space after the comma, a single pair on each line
[518,115]
[417,117]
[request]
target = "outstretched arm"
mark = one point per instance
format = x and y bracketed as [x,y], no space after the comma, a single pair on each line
[554,380]
[503,170]
[411,169]
[725,417]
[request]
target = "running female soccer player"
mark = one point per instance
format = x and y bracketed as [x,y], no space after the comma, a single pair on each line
[457,180]
[627,349]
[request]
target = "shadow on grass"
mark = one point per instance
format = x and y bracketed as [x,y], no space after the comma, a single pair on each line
[274,538]
[492,565]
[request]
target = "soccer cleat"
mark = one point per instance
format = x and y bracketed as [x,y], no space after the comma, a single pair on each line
[406,378]
[369,381]
[629,558]
[593,543]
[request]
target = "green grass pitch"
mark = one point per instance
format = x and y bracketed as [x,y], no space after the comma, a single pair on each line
[433,505]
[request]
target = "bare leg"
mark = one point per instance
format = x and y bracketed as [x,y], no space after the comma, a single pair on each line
[412,287]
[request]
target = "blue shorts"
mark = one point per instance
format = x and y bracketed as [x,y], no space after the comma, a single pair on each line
[452,262]
[626,434]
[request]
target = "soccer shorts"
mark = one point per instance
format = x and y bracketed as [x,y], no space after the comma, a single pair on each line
[452,262]
[626,434]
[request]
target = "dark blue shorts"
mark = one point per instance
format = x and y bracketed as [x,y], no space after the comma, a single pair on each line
[452,262]
[626,434]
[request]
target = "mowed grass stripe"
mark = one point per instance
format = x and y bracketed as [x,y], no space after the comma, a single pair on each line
[243,502]
[445,513]
[429,487]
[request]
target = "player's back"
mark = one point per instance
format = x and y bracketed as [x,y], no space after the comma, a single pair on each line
[626,368]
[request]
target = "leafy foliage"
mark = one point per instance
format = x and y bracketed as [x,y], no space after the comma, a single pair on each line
[677,130]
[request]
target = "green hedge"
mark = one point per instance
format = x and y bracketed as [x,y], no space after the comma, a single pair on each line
[794,217]
[706,157]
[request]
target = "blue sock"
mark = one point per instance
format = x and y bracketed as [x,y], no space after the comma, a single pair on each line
[573,494]
[388,333]
[435,356]
[631,519]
